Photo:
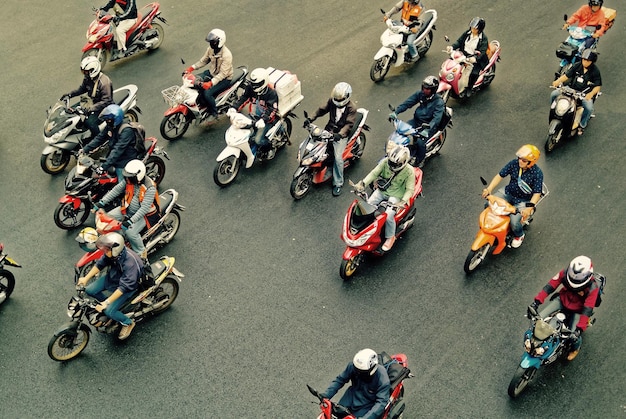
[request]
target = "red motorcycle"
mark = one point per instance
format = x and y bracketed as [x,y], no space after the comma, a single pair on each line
[145,34]
[398,371]
[363,227]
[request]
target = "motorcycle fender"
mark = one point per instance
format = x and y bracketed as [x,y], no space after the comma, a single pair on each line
[529,361]
[383,51]
[67,199]
[481,239]
[180,108]
[72,325]
[350,253]
[300,170]
[49,149]
[90,45]
[554,125]
[229,151]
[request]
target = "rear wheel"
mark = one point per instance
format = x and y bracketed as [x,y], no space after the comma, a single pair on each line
[172,224]
[101,54]
[520,380]
[174,126]
[284,133]
[160,34]
[475,258]
[348,268]
[423,48]
[301,185]
[380,68]
[226,171]
[66,217]
[488,77]
[359,147]
[55,162]
[155,169]
[68,343]
[131,115]
[166,294]
[7,283]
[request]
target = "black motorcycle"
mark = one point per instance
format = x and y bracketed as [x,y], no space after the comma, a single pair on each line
[7,280]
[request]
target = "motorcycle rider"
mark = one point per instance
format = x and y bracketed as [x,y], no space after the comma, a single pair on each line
[140,203]
[370,390]
[263,102]
[473,42]
[411,10]
[523,190]
[121,143]
[98,88]
[219,75]
[429,110]
[123,22]
[118,284]
[395,183]
[342,116]
[577,297]
[588,15]
[585,77]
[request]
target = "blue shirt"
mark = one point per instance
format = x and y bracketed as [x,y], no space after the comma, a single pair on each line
[522,186]
[124,271]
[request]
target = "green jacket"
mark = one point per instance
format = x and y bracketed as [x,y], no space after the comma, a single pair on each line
[402,185]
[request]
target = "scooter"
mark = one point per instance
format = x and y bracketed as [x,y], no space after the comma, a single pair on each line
[395,51]
[157,291]
[455,71]
[145,34]
[7,279]
[364,226]
[64,131]
[494,229]
[403,134]
[397,370]
[160,232]
[316,158]
[83,185]
[565,114]
[184,108]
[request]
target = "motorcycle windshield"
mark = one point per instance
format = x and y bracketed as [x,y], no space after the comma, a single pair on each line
[58,119]
[543,330]
[404,128]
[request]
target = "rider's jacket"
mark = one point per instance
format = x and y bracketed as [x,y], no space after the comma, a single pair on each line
[410,11]
[341,120]
[262,105]
[585,17]
[99,90]
[428,110]
[129,8]
[581,80]
[221,67]
[124,271]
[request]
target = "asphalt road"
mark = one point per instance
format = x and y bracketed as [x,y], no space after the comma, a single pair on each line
[262,310]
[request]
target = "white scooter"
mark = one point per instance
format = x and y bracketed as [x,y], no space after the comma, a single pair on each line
[394,47]
[65,133]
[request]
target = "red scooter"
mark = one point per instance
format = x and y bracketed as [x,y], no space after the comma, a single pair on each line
[398,371]
[145,34]
[363,227]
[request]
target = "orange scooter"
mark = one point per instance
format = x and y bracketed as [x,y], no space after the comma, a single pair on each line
[494,229]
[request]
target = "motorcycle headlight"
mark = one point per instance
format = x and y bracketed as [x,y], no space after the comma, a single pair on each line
[562,105]
[361,240]
[450,77]
[540,351]
[527,345]
[73,308]
[308,161]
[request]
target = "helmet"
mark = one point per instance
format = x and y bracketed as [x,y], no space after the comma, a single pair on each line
[134,171]
[259,79]
[111,241]
[87,239]
[579,272]
[90,66]
[365,361]
[216,39]
[398,158]
[529,152]
[590,55]
[595,2]
[341,94]
[430,83]
[112,114]
[478,23]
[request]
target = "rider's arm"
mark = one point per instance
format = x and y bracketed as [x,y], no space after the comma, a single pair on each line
[225,70]
[322,110]
[437,115]
[587,311]
[383,391]
[338,382]
[395,9]
[126,140]
[371,176]
[105,91]
[494,182]
[98,140]
[81,89]
[549,287]
[204,60]
[408,103]
[115,192]
[409,184]
[92,272]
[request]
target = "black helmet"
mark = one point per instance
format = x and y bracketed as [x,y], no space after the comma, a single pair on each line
[430,83]
[590,55]
[596,3]
[478,23]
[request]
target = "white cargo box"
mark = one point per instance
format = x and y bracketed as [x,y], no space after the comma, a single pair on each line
[287,87]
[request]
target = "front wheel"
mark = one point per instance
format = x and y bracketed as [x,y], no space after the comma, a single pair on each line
[7,283]
[348,268]
[226,171]
[160,35]
[55,162]
[174,126]
[475,258]
[166,293]
[359,147]
[68,343]
[520,380]
[553,139]
[101,54]
[380,68]
[155,169]
[301,185]
[67,218]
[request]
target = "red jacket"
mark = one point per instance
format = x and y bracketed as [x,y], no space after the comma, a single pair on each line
[585,17]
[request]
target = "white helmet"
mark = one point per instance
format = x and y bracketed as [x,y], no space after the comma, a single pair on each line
[111,241]
[398,158]
[216,39]
[579,272]
[365,361]
[259,79]
[134,169]
[90,66]
[341,94]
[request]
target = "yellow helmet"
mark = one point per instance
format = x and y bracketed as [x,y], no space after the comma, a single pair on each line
[530,153]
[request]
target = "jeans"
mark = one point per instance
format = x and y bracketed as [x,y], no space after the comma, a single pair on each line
[208,95]
[338,147]
[92,124]
[390,224]
[133,234]
[586,104]
[96,290]
[555,305]
[419,151]
[516,219]
[409,41]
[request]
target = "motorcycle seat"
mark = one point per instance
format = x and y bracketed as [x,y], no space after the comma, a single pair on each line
[165,200]
[424,22]
[238,74]
[357,122]
[397,373]
[119,96]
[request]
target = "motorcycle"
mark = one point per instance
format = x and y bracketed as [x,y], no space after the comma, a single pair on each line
[455,71]
[398,371]
[395,51]
[157,291]
[364,226]
[7,279]
[145,34]
[403,134]
[64,131]
[83,185]
[184,108]
[316,158]
[547,340]
[565,114]
[161,232]
[494,229]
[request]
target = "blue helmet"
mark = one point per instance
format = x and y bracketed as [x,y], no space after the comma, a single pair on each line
[112,113]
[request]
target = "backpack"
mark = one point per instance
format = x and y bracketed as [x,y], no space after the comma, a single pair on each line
[140,135]
[601,282]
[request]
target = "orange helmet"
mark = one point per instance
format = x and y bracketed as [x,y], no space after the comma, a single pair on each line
[530,153]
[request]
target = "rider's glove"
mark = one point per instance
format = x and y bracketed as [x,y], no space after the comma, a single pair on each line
[360,186]
[577,333]
[306,123]
[449,49]
[414,29]
[231,112]
[64,98]
[535,304]
[127,223]
[393,116]
[472,60]
[99,171]
[188,70]
[207,85]
[260,124]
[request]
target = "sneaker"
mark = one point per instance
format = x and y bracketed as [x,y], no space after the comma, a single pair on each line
[125,332]
[336,190]
[581,131]
[389,243]
[517,241]
[573,354]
